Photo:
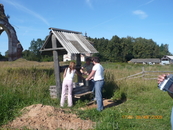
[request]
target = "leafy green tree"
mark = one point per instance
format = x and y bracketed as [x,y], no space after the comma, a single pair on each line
[29,55]
[127,49]
[3,58]
[164,50]
[100,45]
[114,49]
[35,47]
[124,49]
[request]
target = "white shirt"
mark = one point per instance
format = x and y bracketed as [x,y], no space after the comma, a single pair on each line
[99,72]
[69,76]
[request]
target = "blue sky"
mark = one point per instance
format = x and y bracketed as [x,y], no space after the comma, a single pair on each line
[150,19]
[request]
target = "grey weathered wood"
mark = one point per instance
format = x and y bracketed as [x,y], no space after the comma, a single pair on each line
[56,67]
[78,92]
[82,94]
[78,64]
[53,49]
[144,73]
[60,42]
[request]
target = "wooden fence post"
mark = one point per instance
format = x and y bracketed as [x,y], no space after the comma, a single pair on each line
[143,72]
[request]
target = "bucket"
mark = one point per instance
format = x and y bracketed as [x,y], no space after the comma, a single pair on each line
[86,82]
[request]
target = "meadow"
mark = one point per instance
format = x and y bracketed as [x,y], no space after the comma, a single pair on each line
[140,104]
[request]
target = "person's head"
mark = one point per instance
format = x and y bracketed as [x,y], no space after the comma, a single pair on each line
[72,65]
[96,59]
[88,60]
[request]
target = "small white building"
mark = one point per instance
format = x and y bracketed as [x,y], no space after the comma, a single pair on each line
[69,57]
[166,60]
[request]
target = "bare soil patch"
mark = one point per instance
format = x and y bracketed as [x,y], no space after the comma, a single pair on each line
[44,117]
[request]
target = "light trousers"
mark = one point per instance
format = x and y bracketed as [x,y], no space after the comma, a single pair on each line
[66,85]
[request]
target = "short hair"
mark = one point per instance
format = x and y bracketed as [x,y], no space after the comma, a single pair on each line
[96,59]
[88,59]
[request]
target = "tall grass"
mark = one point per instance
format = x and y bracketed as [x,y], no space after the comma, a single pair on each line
[23,83]
[23,86]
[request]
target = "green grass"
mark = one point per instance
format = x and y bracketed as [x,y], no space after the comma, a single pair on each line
[132,115]
[22,85]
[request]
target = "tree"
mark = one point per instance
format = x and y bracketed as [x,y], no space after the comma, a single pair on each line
[33,53]
[114,49]
[35,46]
[124,49]
[28,55]
[164,50]
[3,58]
[127,49]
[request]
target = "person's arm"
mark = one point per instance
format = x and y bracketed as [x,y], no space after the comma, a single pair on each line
[160,79]
[82,70]
[65,71]
[91,75]
[79,74]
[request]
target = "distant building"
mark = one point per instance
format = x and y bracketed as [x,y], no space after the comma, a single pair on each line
[145,61]
[167,59]
[69,57]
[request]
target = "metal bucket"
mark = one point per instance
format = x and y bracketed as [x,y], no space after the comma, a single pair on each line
[86,82]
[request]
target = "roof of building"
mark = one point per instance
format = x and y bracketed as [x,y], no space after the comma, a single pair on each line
[71,41]
[154,60]
[166,56]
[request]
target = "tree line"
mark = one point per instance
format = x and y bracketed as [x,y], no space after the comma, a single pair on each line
[114,50]
[124,49]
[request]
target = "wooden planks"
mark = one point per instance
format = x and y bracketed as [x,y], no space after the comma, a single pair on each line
[77,91]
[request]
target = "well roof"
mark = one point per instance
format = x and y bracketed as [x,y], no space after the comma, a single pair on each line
[71,41]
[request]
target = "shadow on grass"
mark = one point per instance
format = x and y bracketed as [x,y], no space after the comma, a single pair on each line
[112,103]
[107,103]
[112,96]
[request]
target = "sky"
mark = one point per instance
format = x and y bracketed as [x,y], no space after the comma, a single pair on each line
[149,19]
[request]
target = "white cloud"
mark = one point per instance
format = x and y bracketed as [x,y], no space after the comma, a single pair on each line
[140,13]
[23,8]
[89,3]
[147,3]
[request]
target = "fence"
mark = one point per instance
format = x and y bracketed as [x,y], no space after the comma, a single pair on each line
[146,75]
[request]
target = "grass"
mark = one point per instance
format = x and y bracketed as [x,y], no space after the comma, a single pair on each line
[23,83]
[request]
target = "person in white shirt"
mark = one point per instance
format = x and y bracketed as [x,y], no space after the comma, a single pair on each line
[98,75]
